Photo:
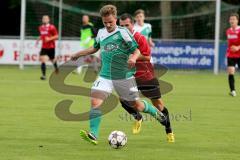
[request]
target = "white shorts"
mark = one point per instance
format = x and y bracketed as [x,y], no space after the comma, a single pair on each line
[125,88]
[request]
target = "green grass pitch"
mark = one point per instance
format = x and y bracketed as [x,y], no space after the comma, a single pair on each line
[205,119]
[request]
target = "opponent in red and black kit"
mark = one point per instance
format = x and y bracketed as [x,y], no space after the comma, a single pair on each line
[48,35]
[233,50]
[146,81]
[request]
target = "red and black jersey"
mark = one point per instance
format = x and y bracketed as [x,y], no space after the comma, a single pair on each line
[48,30]
[233,37]
[144,68]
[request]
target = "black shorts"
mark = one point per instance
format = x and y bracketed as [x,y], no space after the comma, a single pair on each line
[150,88]
[48,52]
[231,62]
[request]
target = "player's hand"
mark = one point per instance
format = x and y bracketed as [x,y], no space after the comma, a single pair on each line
[47,39]
[131,62]
[235,48]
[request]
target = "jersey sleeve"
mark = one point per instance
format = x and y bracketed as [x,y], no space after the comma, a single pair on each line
[228,41]
[239,36]
[130,43]
[39,30]
[150,31]
[143,46]
[54,30]
[97,41]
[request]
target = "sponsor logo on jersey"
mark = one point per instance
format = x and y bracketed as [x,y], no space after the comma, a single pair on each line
[232,36]
[44,32]
[110,47]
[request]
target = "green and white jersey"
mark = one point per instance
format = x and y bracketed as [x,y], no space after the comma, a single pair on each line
[145,30]
[115,49]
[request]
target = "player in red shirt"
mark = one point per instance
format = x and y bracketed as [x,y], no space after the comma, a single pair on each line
[48,35]
[146,81]
[233,50]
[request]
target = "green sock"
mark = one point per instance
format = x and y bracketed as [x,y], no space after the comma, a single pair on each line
[150,109]
[95,119]
[153,111]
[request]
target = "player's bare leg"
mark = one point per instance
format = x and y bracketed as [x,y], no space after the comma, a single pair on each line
[158,103]
[43,59]
[231,81]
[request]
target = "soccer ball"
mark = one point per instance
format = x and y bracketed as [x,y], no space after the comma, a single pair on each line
[117,139]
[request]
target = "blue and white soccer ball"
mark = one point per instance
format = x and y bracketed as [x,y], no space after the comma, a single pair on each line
[117,139]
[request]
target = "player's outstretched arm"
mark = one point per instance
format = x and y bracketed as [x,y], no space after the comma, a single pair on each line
[144,48]
[85,52]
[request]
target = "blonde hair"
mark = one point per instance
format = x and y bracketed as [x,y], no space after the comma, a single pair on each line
[108,10]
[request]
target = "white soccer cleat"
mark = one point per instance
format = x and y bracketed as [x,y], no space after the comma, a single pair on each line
[233,93]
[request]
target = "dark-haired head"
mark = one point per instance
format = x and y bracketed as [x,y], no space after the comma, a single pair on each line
[126,16]
[233,19]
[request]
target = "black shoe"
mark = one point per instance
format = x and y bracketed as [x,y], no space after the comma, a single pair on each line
[43,77]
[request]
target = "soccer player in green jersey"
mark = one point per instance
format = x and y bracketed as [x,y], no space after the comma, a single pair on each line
[119,53]
[142,27]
